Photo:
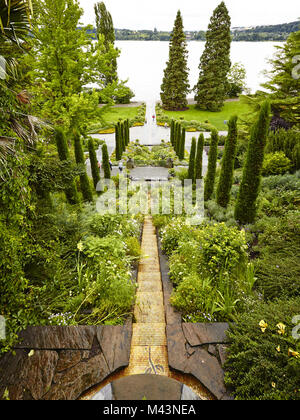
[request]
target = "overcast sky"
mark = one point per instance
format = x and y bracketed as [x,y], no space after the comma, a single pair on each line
[148,14]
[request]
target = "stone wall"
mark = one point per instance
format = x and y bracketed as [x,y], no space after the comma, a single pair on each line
[61,363]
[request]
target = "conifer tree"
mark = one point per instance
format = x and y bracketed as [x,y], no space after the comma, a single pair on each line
[175,136]
[127,132]
[172,132]
[118,143]
[191,172]
[124,134]
[227,168]
[245,210]
[199,157]
[182,145]
[212,166]
[80,160]
[175,85]
[215,62]
[105,162]
[94,162]
[64,154]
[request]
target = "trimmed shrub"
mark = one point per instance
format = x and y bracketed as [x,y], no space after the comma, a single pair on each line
[182,145]
[245,210]
[227,168]
[80,160]
[199,157]
[276,164]
[105,162]
[64,155]
[191,173]
[212,166]
[94,162]
[287,141]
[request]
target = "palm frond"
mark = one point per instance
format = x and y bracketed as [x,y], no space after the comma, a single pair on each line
[14,19]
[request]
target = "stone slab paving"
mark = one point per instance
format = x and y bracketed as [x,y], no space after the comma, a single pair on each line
[149,343]
[61,363]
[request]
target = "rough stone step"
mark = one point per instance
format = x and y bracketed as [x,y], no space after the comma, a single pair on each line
[149,286]
[149,335]
[149,277]
[148,359]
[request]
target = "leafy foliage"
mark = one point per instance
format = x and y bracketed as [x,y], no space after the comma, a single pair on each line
[287,141]
[263,364]
[276,164]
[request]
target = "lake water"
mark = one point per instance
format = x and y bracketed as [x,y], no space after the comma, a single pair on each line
[143,64]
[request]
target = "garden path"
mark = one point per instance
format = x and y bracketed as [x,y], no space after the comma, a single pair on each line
[149,343]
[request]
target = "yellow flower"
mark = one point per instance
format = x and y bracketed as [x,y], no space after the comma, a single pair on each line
[273,385]
[278,349]
[80,246]
[294,354]
[263,326]
[281,328]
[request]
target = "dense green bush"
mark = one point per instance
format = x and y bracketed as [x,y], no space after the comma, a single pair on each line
[282,182]
[287,142]
[276,164]
[209,267]
[278,248]
[176,231]
[264,359]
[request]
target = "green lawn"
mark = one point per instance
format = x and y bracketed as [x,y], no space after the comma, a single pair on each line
[113,115]
[215,118]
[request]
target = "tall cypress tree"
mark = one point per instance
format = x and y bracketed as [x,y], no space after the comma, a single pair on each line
[124,134]
[64,154]
[227,169]
[172,132]
[212,166]
[182,145]
[245,210]
[215,62]
[175,86]
[80,160]
[127,132]
[105,162]
[191,172]
[94,162]
[118,143]
[105,27]
[199,157]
